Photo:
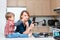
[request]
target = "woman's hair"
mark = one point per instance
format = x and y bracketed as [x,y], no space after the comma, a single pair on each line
[23,12]
[9,15]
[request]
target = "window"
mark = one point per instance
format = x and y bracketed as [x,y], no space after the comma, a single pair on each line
[16,10]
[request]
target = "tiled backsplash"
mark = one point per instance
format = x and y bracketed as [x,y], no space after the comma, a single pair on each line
[40,20]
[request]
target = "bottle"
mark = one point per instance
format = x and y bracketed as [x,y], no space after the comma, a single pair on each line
[44,22]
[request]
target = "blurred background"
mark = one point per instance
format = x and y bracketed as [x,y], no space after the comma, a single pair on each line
[44,13]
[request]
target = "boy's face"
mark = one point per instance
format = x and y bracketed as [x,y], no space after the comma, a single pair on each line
[25,16]
[11,18]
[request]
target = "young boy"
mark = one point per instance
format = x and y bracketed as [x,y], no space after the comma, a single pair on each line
[9,28]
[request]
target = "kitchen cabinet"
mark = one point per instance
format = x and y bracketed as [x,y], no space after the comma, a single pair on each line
[58,3]
[53,6]
[39,7]
[42,7]
[11,3]
[16,3]
[46,8]
[21,2]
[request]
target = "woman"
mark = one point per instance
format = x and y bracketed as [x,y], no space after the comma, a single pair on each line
[24,25]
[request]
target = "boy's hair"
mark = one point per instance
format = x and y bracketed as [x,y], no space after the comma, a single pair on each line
[8,15]
[23,13]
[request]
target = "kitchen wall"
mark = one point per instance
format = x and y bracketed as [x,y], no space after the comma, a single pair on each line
[58,18]
[41,18]
[2,17]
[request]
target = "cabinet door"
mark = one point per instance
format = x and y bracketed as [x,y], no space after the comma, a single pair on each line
[58,3]
[45,7]
[38,7]
[30,6]
[21,2]
[53,6]
[11,2]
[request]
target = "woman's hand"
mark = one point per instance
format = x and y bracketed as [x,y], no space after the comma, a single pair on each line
[29,29]
[27,24]
[31,26]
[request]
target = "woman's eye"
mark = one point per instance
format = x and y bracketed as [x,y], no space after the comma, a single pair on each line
[25,15]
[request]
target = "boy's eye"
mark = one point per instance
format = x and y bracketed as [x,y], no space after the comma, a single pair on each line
[9,17]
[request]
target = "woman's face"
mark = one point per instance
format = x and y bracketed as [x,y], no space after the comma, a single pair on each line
[25,16]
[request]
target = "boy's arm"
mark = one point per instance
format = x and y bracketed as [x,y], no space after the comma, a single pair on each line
[11,27]
[6,30]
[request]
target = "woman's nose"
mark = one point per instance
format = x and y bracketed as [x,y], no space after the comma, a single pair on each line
[27,17]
